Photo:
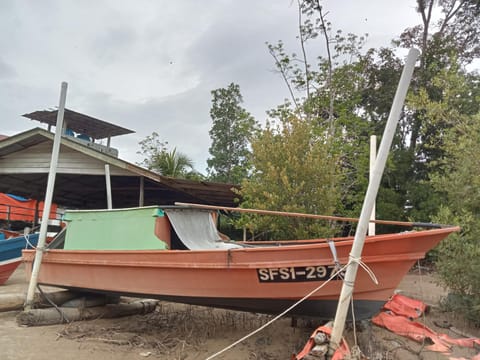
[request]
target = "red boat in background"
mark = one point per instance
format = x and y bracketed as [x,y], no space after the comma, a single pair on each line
[17,208]
[175,253]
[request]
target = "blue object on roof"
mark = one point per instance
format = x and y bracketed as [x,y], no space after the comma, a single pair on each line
[84,137]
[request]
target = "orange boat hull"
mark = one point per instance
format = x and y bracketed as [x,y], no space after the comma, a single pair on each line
[259,279]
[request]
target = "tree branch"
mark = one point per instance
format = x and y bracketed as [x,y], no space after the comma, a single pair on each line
[284,75]
[451,13]
[330,67]
[426,18]
[302,44]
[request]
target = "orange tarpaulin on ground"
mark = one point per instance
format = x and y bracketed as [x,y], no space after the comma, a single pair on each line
[402,325]
[341,353]
[18,209]
[397,316]
[405,306]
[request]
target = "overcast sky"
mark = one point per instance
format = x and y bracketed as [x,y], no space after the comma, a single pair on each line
[150,65]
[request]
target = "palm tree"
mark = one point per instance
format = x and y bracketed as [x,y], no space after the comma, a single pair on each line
[173,164]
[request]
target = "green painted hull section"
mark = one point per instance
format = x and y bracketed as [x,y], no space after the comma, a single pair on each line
[123,229]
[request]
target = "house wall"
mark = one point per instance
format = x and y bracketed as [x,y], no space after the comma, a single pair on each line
[36,159]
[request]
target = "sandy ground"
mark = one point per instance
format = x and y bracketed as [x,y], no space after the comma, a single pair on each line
[183,332]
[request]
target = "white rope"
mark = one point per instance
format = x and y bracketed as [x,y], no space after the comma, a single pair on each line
[355,350]
[28,243]
[278,316]
[364,267]
[335,274]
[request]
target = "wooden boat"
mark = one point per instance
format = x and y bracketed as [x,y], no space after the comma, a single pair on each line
[11,245]
[176,254]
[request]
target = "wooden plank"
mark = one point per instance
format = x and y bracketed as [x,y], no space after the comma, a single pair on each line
[10,302]
[37,317]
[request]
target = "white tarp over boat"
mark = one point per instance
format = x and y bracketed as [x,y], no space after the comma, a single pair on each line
[196,229]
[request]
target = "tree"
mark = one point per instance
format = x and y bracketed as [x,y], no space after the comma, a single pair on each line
[166,163]
[444,133]
[382,69]
[230,133]
[151,147]
[450,40]
[327,92]
[456,179]
[171,163]
[311,81]
[294,170]
[346,95]
[406,192]
[458,256]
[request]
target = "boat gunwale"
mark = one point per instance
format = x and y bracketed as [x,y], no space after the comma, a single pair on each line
[225,258]
[286,244]
[186,264]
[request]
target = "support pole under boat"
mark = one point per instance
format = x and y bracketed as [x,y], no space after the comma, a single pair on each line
[48,199]
[372,190]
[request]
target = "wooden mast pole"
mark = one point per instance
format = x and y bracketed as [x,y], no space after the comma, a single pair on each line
[307,216]
[48,199]
[372,190]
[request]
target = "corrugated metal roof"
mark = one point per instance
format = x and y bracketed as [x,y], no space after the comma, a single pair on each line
[80,123]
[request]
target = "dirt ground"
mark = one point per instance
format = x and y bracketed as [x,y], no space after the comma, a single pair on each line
[184,332]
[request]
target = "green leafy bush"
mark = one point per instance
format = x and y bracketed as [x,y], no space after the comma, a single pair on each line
[458,264]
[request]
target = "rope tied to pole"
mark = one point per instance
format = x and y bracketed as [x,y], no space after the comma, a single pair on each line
[332,276]
[364,266]
[27,242]
[356,352]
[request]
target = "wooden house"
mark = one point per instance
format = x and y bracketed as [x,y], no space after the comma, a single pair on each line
[80,180]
